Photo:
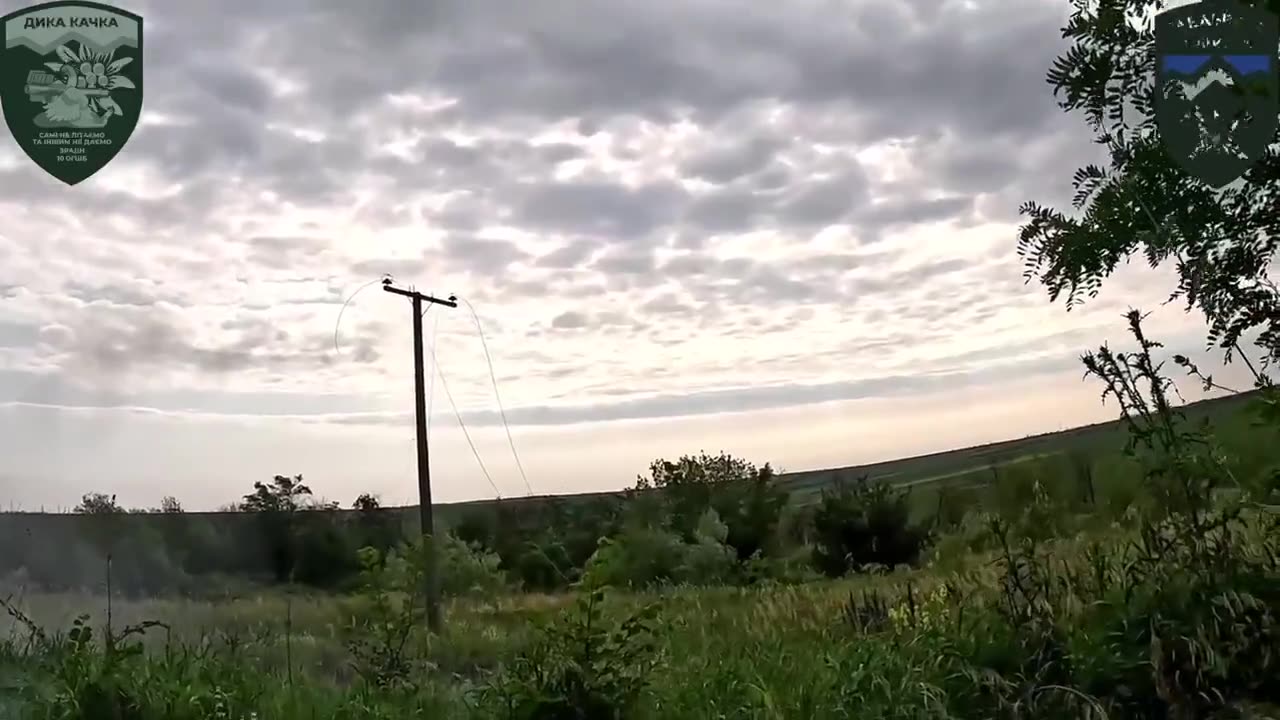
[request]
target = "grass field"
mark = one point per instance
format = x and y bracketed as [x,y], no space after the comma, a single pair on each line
[783,652]
[941,647]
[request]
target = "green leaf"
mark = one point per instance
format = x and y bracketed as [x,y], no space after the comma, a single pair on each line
[65,53]
[120,81]
[115,65]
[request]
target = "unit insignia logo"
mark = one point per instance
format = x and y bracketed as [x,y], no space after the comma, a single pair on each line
[71,84]
[1216,101]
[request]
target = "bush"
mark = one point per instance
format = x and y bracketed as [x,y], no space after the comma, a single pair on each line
[793,568]
[711,528]
[386,639]
[708,562]
[745,497]
[581,667]
[468,570]
[863,523]
[643,557]
[954,504]
[971,536]
[324,555]
[1119,488]
[542,565]
[637,557]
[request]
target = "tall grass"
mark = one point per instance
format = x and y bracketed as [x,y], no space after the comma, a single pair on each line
[1059,629]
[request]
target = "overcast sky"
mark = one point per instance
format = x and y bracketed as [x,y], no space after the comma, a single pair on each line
[785,230]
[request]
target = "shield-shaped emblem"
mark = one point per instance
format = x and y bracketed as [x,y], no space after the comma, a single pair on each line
[1216,101]
[71,84]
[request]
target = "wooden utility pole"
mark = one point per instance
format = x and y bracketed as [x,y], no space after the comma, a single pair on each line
[432,589]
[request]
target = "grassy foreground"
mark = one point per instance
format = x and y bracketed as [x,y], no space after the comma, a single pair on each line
[1170,618]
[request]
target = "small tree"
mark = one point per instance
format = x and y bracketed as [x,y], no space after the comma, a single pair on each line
[864,523]
[375,527]
[276,506]
[746,498]
[752,513]
[366,503]
[104,521]
[98,504]
[284,494]
[466,569]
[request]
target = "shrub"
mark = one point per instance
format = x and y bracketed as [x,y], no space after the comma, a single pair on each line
[954,504]
[386,640]
[324,556]
[375,526]
[637,557]
[863,523]
[468,570]
[711,528]
[972,535]
[274,507]
[745,497]
[582,667]
[542,565]
[708,562]
[791,569]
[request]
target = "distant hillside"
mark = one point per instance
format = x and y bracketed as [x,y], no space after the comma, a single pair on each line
[1101,437]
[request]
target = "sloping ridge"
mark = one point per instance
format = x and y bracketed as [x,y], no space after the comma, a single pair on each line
[67,37]
[967,459]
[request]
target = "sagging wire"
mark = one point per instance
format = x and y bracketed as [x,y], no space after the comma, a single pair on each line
[444,383]
[338,322]
[493,378]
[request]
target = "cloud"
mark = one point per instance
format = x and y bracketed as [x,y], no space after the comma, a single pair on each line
[481,255]
[604,208]
[726,161]
[569,255]
[782,195]
[569,321]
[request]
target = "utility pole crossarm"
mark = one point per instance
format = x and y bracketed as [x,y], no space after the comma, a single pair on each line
[413,294]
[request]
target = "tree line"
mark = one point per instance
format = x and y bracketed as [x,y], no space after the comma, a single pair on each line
[703,518]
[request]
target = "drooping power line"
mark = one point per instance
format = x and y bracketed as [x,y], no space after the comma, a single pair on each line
[338,322]
[444,383]
[493,378]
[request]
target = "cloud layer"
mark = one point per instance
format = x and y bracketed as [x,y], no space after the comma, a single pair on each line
[657,210]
